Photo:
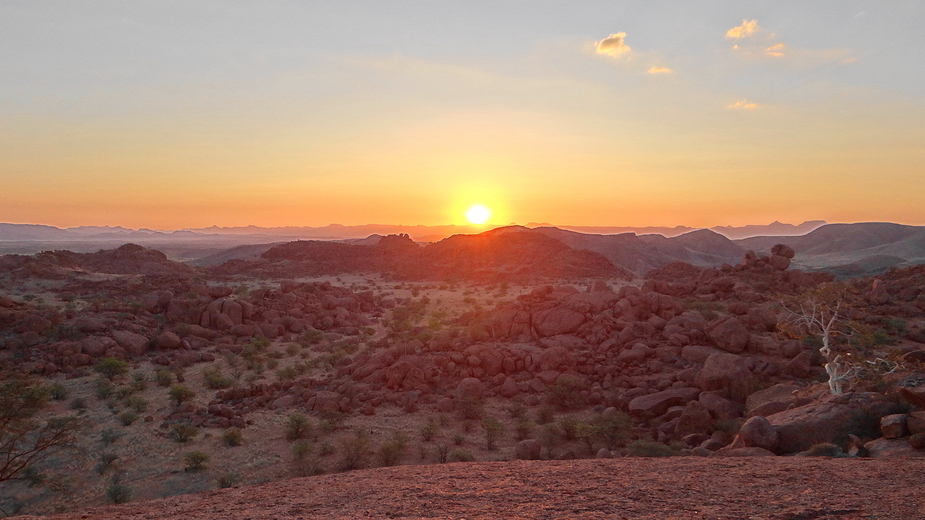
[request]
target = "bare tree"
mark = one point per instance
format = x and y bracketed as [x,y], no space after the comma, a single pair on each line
[25,440]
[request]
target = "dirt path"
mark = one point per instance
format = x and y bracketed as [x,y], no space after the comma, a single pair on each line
[688,488]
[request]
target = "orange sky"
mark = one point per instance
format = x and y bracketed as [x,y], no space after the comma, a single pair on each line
[149,121]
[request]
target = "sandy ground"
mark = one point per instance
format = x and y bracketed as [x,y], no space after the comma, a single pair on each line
[688,488]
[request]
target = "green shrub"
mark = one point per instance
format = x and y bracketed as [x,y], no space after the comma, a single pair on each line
[825,450]
[127,418]
[232,437]
[106,463]
[196,460]
[137,403]
[459,455]
[517,410]
[493,430]
[164,377]
[104,389]
[523,429]
[470,408]
[430,430]
[58,391]
[111,367]
[566,394]
[355,451]
[443,453]
[109,436]
[649,448]
[298,427]
[227,480]
[118,493]
[180,394]
[182,433]
[213,379]
[393,450]
[545,414]
[613,430]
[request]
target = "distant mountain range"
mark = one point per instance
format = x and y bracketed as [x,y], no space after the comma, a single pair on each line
[859,249]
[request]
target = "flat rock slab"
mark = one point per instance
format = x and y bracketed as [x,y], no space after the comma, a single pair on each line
[759,488]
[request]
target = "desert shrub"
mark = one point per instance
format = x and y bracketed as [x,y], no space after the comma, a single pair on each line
[196,460]
[517,410]
[354,451]
[78,403]
[311,337]
[545,414]
[227,480]
[331,421]
[459,439]
[232,437]
[649,448]
[613,430]
[550,436]
[587,433]
[164,377]
[298,427]
[430,430]
[105,463]
[493,430]
[139,382]
[443,453]
[825,450]
[58,391]
[569,427]
[214,379]
[523,429]
[127,418]
[137,403]
[180,394]
[292,349]
[109,436]
[393,450]
[470,408]
[566,394]
[110,367]
[104,390]
[459,455]
[117,492]
[182,433]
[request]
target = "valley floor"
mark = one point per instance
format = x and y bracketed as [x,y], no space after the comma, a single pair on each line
[778,488]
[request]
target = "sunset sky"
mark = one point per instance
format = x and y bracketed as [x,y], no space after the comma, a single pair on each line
[173,114]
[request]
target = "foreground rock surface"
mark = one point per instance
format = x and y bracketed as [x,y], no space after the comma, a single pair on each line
[756,488]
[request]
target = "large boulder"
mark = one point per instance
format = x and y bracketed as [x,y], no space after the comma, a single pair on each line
[727,372]
[558,320]
[658,403]
[729,334]
[757,432]
[831,419]
[774,399]
[694,419]
[528,449]
[134,344]
[884,448]
[469,388]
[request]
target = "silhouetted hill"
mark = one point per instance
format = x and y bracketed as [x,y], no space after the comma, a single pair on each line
[863,248]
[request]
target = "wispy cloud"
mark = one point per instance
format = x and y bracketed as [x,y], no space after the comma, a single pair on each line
[614,45]
[748,28]
[659,70]
[743,105]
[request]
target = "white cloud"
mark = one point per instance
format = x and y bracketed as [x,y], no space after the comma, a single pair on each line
[613,45]
[748,28]
[743,105]
[659,70]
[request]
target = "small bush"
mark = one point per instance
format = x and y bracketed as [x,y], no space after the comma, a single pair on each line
[545,414]
[213,379]
[523,429]
[493,430]
[78,403]
[470,408]
[137,403]
[825,450]
[196,460]
[164,377]
[354,451]
[127,418]
[569,427]
[106,463]
[393,450]
[232,437]
[459,455]
[443,453]
[182,433]
[180,394]
[111,367]
[58,391]
[430,430]
[118,493]
[459,439]
[566,394]
[104,390]
[517,410]
[109,436]
[649,448]
[298,427]
[227,480]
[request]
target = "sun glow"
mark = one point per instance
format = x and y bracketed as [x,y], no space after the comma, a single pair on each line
[478,214]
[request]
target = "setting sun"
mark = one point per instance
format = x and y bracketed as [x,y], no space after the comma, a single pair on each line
[478,214]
